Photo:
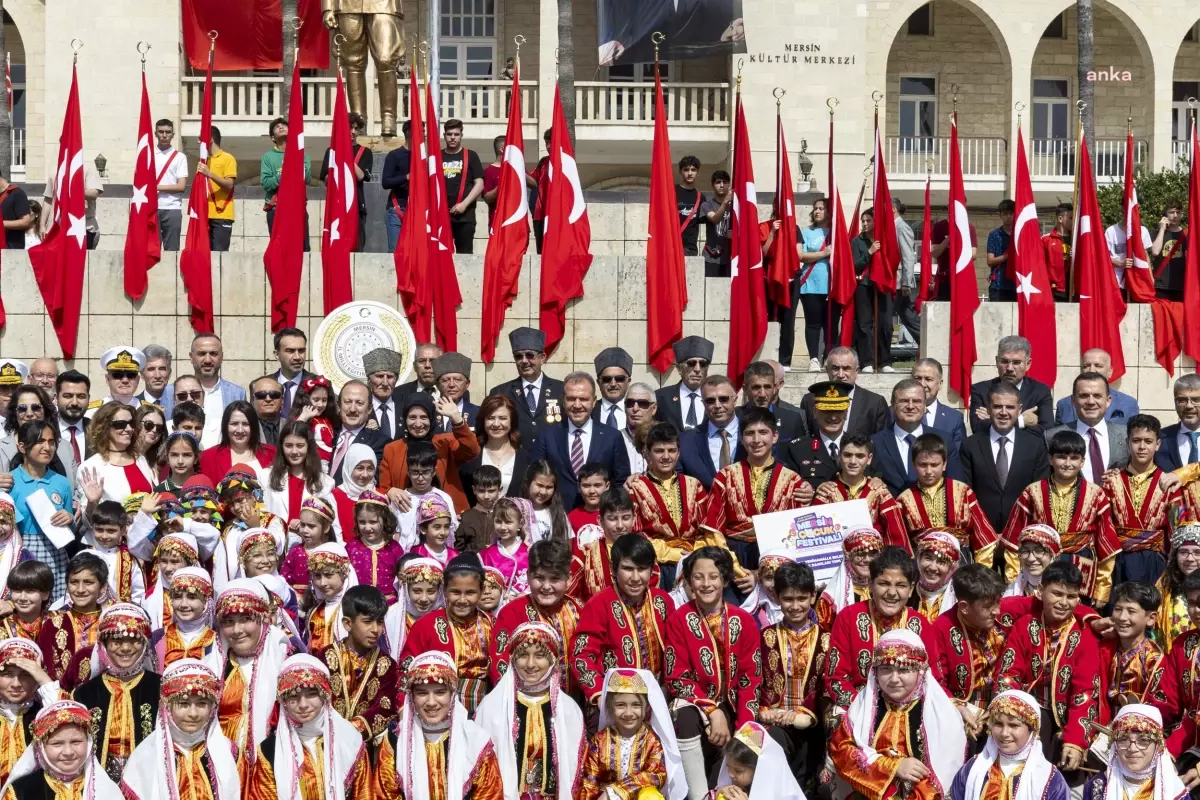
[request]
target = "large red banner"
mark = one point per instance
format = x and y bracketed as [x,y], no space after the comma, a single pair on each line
[250,34]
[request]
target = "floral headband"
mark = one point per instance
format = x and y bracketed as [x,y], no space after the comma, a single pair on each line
[124,621]
[242,601]
[303,672]
[940,542]
[432,507]
[861,540]
[536,633]
[1042,535]
[1015,708]
[423,570]
[56,715]
[371,497]
[495,577]
[432,667]
[190,678]
[185,580]
[13,649]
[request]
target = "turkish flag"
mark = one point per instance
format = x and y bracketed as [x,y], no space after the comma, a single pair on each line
[747,289]
[510,234]
[142,246]
[58,262]
[340,232]
[446,295]
[666,278]
[964,294]
[1140,278]
[284,259]
[785,255]
[565,256]
[886,260]
[842,279]
[1101,307]
[412,256]
[923,291]
[1191,280]
[195,262]
[1036,319]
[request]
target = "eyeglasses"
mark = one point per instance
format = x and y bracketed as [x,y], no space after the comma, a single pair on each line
[863,556]
[120,424]
[194,396]
[32,408]
[634,403]
[1188,555]
[1035,550]
[420,473]
[149,425]
[723,399]
[1135,742]
[696,363]
[268,395]
[526,355]
[613,378]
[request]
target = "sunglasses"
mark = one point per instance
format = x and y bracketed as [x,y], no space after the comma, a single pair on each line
[696,363]
[613,378]
[198,394]
[268,395]
[34,408]
[150,425]
[120,424]
[643,404]
[723,399]
[123,375]
[526,355]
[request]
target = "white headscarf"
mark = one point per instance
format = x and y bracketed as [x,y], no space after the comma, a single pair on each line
[841,586]
[773,776]
[660,721]
[343,744]
[127,618]
[468,742]
[333,603]
[395,625]
[96,783]
[276,585]
[151,772]
[1167,784]
[155,604]
[10,546]
[355,455]
[243,535]
[1036,773]
[191,627]
[497,715]
[945,737]
[946,544]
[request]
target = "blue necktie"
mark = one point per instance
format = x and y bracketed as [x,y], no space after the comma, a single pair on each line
[909,439]
[1193,453]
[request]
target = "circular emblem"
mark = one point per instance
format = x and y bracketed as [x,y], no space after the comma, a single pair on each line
[355,329]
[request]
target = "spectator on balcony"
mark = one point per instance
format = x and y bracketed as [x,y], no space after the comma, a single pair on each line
[1001,286]
[171,169]
[716,226]
[1170,248]
[1118,253]
[688,200]
[271,170]
[363,161]
[14,206]
[93,187]
[1057,244]
[221,171]
[395,180]
[464,184]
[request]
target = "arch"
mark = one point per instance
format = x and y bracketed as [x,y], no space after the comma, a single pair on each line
[891,25]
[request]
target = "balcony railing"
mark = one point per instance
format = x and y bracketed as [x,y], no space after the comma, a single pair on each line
[1054,159]
[1181,149]
[982,157]
[699,104]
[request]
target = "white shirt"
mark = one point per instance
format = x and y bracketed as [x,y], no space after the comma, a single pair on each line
[619,408]
[177,171]
[1114,237]
[637,462]
[376,405]
[902,445]
[285,382]
[1102,440]
[506,470]
[714,441]
[931,414]
[828,443]
[586,438]
[214,408]
[537,391]
[1184,443]
[685,402]
[1010,437]
[64,433]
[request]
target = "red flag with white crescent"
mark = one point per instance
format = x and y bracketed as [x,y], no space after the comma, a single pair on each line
[666,279]
[964,293]
[785,254]
[413,249]
[339,235]
[1101,307]
[195,262]
[143,249]
[1139,278]
[284,259]
[747,289]
[842,278]
[885,263]
[1036,320]
[445,291]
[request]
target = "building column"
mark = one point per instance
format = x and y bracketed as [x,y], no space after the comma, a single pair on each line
[547,75]
[1022,92]
[1164,86]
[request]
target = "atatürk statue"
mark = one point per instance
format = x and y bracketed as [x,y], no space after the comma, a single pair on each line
[377,24]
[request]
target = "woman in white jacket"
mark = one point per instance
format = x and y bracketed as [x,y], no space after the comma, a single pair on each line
[294,475]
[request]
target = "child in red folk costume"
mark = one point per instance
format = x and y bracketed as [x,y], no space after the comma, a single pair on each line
[624,625]
[1078,510]
[591,567]
[938,557]
[30,584]
[1178,694]
[852,483]
[75,626]
[873,749]
[713,664]
[1054,657]
[1141,497]
[1132,662]
[940,502]
[546,602]
[852,582]
[593,483]
[331,575]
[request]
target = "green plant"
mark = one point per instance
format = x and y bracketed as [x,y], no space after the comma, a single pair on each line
[1153,188]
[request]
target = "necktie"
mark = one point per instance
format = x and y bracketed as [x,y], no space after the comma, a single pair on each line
[531,396]
[1094,454]
[724,448]
[385,422]
[1193,454]
[343,446]
[577,452]
[289,389]
[612,418]
[833,451]
[1002,461]
[692,420]
[909,439]
[78,460]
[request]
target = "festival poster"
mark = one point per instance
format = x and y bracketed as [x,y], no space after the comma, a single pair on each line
[813,534]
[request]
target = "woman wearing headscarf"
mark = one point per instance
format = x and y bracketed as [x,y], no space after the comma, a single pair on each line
[1139,767]
[187,757]
[60,763]
[454,449]
[1012,765]
[358,475]
[314,753]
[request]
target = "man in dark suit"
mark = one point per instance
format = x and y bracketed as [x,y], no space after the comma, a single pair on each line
[1107,442]
[539,398]
[868,413]
[291,351]
[682,404]
[928,373]
[452,373]
[1000,461]
[717,442]
[423,360]
[1012,362]
[72,396]
[354,406]
[382,367]
[815,457]
[758,387]
[1179,444]
[893,445]
[581,441]
[614,369]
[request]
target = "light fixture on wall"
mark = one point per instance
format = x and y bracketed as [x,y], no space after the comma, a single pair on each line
[102,165]
[805,163]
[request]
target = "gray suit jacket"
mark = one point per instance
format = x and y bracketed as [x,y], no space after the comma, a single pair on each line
[1118,443]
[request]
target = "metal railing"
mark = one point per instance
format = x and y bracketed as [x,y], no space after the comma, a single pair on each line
[982,156]
[695,104]
[1181,149]
[1055,158]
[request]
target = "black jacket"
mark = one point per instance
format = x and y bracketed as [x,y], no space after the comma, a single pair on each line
[532,424]
[1030,463]
[1034,394]
[807,456]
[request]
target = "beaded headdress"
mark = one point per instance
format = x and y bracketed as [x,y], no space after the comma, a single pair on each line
[425,570]
[1016,705]
[1187,532]
[1138,718]
[329,556]
[900,648]
[373,498]
[133,503]
[252,537]
[862,539]
[539,633]
[192,579]
[15,648]
[432,507]
[189,677]
[302,671]
[941,542]
[124,621]
[493,575]
[183,544]
[8,509]
[626,681]
[1041,534]
[770,562]
[243,596]
[56,715]
[239,480]
[432,667]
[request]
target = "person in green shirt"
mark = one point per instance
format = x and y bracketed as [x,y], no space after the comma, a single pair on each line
[271,170]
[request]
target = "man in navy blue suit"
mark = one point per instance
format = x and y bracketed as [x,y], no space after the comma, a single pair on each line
[581,441]
[717,441]
[1179,444]
[893,445]
[452,376]
[928,373]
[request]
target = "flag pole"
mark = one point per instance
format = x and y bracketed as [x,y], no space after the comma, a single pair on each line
[876,366]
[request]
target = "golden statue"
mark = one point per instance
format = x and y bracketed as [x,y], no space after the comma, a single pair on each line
[377,24]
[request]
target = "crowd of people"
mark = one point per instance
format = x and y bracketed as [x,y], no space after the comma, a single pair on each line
[383,590]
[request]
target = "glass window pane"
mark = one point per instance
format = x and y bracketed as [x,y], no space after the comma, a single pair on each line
[456,27]
[1051,88]
[928,119]
[1059,120]
[491,26]
[18,73]
[1180,92]
[908,117]
[1040,115]
[478,52]
[925,87]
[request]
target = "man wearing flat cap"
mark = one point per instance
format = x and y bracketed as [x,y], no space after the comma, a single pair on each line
[539,397]
[682,404]
[382,367]
[452,373]
[614,369]
[814,457]
[122,367]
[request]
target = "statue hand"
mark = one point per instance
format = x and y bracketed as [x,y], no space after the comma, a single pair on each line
[330,19]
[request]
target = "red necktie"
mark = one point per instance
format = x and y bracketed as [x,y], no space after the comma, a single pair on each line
[75,447]
[1094,455]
